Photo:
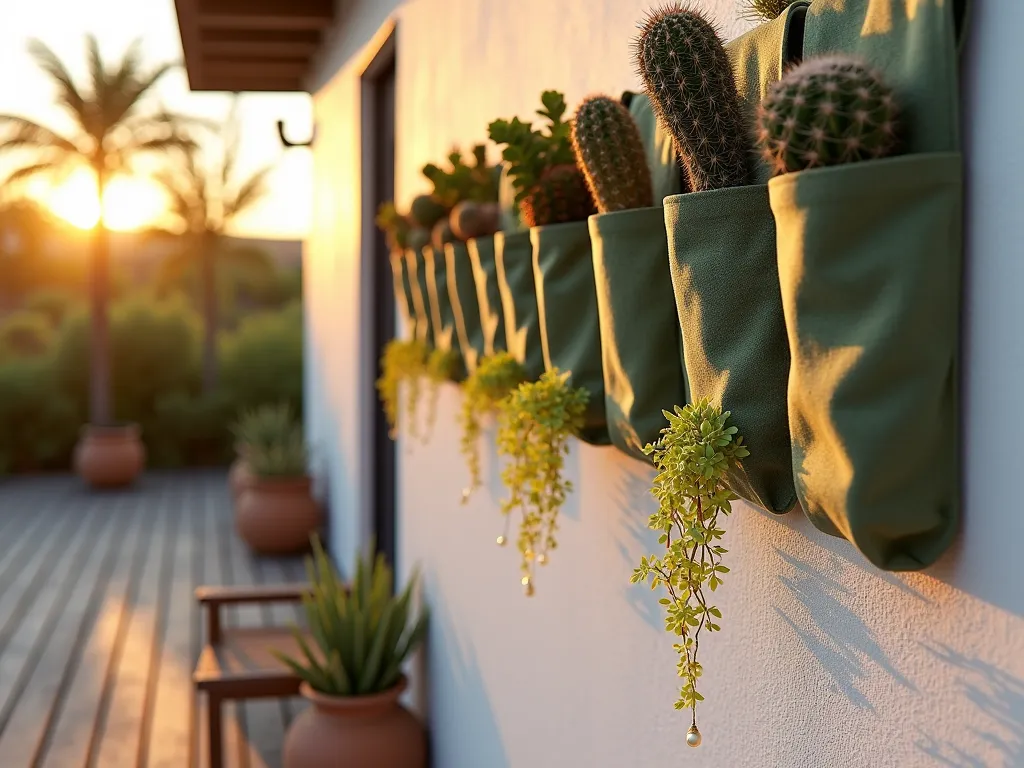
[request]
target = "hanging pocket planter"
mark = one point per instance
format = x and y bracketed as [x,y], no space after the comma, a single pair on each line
[639,326]
[462,293]
[416,274]
[570,330]
[513,256]
[441,314]
[403,294]
[869,260]
[722,250]
[488,294]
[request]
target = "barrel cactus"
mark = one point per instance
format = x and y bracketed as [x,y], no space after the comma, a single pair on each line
[611,153]
[559,197]
[426,211]
[690,82]
[829,110]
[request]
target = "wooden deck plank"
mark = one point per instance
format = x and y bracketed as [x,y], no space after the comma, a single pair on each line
[23,730]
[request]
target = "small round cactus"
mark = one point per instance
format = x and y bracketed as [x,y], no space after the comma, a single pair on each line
[560,196]
[426,211]
[689,79]
[828,110]
[611,153]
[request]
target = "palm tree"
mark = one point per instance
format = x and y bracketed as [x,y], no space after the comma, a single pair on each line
[111,129]
[206,196]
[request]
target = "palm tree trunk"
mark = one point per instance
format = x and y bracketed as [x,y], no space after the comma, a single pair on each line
[100,412]
[207,245]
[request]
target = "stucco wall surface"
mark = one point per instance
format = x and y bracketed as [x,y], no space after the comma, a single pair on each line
[823,660]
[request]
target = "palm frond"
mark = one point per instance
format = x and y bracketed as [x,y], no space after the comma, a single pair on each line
[184,206]
[28,134]
[32,170]
[250,192]
[230,137]
[68,94]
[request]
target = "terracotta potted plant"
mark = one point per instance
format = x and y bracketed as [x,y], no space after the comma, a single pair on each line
[110,456]
[256,427]
[352,671]
[276,512]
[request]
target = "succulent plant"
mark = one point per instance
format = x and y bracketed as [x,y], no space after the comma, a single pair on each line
[282,452]
[829,110]
[471,219]
[362,632]
[610,151]
[418,238]
[263,425]
[550,189]
[441,234]
[765,10]
[690,82]
[426,211]
[394,225]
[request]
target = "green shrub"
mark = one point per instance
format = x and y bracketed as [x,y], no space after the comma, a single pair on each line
[25,334]
[261,362]
[56,304]
[38,425]
[191,430]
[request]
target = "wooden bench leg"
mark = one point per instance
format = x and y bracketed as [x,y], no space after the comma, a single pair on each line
[215,707]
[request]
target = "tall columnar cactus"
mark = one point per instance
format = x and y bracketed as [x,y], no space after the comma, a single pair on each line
[691,86]
[828,110]
[559,196]
[611,153]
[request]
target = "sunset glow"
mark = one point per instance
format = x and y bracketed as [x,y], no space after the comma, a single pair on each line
[128,203]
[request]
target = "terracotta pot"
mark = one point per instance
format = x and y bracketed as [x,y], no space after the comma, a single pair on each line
[276,516]
[239,477]
[110,456]
[355,732]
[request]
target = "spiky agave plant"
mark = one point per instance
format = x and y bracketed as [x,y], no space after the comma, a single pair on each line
[690,82]
[360,634]
[829,110]
[610,151]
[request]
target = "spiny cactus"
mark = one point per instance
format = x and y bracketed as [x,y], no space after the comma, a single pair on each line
[828,110]
[426,211]
[689,79]
[765,10]
[611,153]
[418,238]
[560,196]
[471,219]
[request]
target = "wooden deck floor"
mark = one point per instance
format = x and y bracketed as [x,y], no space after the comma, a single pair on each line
[99,632]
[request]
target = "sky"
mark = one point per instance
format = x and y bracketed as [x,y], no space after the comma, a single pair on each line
[63,24]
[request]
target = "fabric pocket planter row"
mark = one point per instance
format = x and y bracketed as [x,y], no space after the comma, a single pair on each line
[570,329]
[869,259]
[416,274]
[639,326]
[488,294]
[403,294]
[722,251]
[442,316]
[465,310]
[513,257]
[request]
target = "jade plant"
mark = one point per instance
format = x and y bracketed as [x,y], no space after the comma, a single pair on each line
[610,151]
[829,110]
[535,423]
[359,634]
[692,456]
[689,79]
[404,360]
[494,379]
[550,187]
[442,365]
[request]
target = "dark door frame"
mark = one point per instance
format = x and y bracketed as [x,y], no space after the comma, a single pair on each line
[377,293]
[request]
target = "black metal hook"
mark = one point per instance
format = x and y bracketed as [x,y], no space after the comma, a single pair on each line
[287,143]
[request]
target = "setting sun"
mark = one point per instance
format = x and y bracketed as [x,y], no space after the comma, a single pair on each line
[128,203]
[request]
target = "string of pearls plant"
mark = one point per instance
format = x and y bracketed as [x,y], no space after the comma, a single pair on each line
[692,456]
[403,360]
[492,381]
[442,365]
[535,423]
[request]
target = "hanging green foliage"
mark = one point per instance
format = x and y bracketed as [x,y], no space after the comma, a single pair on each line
[442,365]
[404,360]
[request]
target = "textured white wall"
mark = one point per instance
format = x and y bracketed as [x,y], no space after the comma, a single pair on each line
[823,660]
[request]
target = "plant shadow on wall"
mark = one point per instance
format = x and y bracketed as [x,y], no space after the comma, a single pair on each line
[996,694]
[834,634]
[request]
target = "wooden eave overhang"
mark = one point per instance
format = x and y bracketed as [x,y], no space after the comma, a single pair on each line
[251,45]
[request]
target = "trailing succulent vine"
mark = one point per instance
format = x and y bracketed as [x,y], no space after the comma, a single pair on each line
[829,110]
[693,455]
[550,188]
[493,380]
[403,360]
[442,365]
[535,423]
[689,79]
[610,150]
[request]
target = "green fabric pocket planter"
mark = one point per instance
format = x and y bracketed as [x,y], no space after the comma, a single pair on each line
[513,257]
[639,326]
[488,294]
[870,261]
[722,255]
[462,293]
[442,316]
[403,294]
[570,330]
[416,274]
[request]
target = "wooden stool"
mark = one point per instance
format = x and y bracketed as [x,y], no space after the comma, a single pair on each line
[236,663]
